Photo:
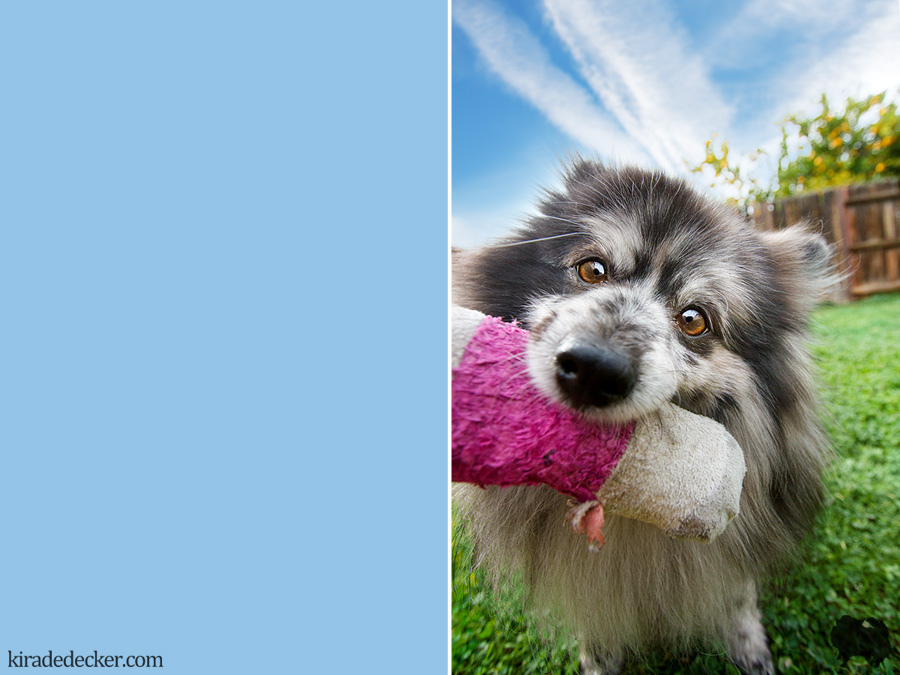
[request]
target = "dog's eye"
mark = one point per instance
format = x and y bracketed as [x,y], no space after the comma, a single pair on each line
[592,271]
[692,322]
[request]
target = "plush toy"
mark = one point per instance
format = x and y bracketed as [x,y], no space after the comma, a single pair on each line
[673,469]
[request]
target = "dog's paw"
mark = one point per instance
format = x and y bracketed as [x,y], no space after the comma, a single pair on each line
[748,644]
[600,662]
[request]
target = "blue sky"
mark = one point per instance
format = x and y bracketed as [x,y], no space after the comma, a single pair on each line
[644,81]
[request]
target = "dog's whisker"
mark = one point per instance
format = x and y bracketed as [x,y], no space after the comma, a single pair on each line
[532,241]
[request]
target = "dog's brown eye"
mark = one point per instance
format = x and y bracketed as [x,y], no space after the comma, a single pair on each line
[592,271]
[692,322]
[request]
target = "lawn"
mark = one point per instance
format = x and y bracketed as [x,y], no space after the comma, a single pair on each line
[851,564]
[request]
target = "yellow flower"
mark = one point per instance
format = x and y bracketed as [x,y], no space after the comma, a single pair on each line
[817,161]
[879,167]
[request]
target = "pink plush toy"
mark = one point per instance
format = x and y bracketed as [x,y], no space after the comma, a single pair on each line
[676,470]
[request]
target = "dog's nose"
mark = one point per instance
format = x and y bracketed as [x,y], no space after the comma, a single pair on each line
[594,375]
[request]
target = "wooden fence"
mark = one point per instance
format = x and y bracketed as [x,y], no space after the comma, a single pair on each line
[861,221]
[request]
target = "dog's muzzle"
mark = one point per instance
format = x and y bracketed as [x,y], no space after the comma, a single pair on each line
[592,374]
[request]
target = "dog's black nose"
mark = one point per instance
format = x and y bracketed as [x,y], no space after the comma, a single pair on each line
[594,375]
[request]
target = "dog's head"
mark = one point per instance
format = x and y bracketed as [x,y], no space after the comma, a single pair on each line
[638,291]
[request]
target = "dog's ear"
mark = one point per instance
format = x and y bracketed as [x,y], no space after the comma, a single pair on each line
[803,258]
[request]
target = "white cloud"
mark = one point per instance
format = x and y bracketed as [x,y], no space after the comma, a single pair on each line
[636,62]
[841,49]
[636,59]
[518,58]
[867,61]
[736,44]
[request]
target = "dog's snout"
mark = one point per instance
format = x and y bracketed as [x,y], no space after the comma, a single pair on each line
[594,375]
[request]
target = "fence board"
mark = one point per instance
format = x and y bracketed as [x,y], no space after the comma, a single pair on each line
[861,221]
[892,256]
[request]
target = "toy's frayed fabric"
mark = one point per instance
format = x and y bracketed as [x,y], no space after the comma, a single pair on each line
[505,432]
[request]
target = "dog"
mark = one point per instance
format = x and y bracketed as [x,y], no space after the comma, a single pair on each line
[637,291]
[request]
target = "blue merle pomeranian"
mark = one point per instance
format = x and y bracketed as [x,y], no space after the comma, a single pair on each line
[671,298]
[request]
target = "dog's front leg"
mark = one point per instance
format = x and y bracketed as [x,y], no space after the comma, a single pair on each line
[748,641]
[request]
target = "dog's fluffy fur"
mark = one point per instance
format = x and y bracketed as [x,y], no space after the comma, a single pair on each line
[665,249]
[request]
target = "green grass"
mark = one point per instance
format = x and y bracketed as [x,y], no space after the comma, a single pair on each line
[851,564]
